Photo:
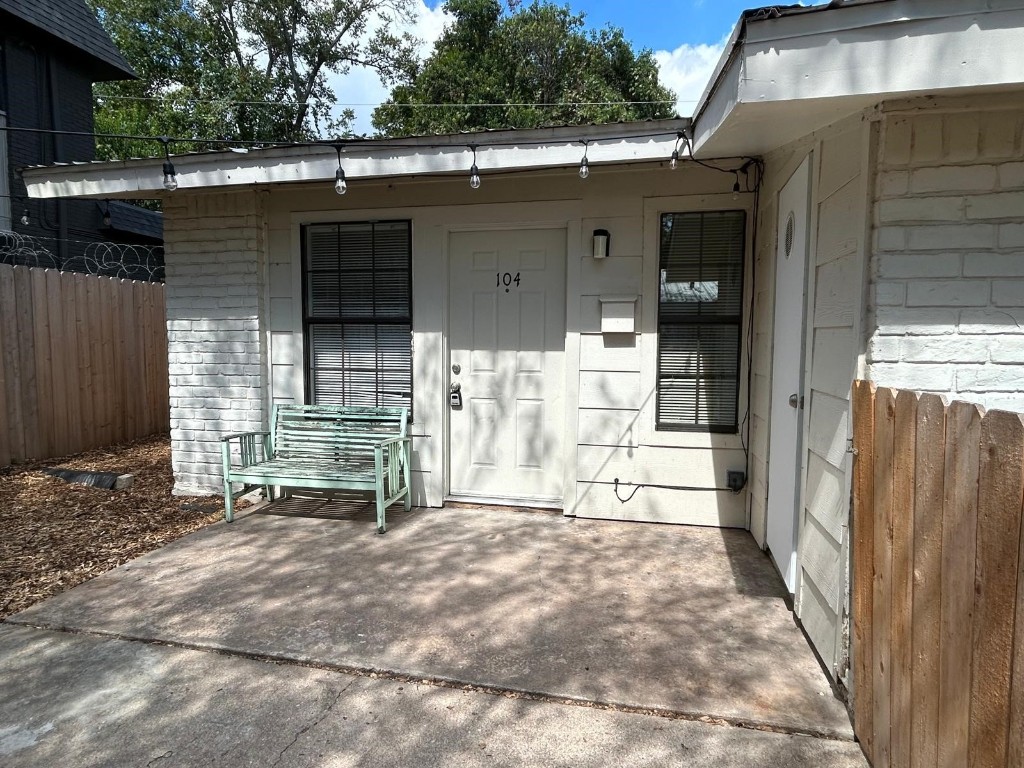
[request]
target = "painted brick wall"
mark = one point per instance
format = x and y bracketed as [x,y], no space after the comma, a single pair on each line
[948,264]
[214,257]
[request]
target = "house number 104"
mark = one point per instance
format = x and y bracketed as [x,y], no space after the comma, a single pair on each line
[506,279]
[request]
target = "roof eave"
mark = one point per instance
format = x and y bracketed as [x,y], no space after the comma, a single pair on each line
[771,87]
[534,149]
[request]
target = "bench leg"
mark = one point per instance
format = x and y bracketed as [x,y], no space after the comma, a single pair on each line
[229,502]
[270,492]
[381,522]
[406,472]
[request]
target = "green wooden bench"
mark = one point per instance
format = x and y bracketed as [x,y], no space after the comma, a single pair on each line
[330,447]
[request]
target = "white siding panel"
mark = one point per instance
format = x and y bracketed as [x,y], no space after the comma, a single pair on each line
[605,427]
[819,557]
[819,621]
[836,297]
[829,417]
[721,509]
[656,464]
[282,318]
[284,350]
[281,281]
[615,274]
[826,496]
[834,361]
[609,389]
[610,352]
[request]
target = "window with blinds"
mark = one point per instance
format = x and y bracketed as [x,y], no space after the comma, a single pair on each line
[700,309]
[358,313]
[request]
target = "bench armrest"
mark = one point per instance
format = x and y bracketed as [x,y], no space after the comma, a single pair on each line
[237,435]
[392,440]
[252,450]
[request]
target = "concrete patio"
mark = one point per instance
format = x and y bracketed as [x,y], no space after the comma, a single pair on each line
[688,622]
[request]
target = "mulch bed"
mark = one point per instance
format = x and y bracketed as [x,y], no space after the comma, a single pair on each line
[55,535]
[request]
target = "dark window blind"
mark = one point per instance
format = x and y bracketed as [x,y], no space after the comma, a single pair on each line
[358,313]
[700,309]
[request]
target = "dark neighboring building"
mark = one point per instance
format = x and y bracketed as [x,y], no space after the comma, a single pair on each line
[51,52]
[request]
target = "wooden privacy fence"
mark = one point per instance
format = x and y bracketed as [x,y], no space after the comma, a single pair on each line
[83,362]
[938,580]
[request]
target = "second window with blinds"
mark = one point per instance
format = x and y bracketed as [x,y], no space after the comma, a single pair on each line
[357,313]
[700,309]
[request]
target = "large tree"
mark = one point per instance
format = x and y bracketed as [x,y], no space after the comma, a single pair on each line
[538,63]
[244,70]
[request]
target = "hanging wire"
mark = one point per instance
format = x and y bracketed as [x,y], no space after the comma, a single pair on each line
[437,104]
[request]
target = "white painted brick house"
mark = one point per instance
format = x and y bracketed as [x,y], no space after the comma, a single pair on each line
[878,232]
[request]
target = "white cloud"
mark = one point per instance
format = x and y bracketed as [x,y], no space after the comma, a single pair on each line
[362,87]
[687,70]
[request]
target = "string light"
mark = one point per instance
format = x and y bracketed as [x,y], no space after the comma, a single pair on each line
[674,161]
[106,213]
[170,175]
[25,220]
[682,143]
[474,172]
[340,185]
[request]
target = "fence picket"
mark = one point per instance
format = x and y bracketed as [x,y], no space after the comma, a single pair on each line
[881,630]
[929,463]
[902,593]
[83,362]
[1015,742]
[1000,493]
[959,542]
[863,562]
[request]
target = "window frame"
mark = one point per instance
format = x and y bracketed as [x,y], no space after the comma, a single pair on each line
[733,320]
[307,321]
[654,207]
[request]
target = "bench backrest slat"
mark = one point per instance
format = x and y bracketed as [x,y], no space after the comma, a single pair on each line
[331,431]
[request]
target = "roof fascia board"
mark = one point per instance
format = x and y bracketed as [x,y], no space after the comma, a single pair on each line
[144,178]
[844,18]
[858,55]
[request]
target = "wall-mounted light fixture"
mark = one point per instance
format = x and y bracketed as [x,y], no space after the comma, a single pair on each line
[602,242]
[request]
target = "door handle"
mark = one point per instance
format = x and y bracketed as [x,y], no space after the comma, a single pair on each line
[796,401]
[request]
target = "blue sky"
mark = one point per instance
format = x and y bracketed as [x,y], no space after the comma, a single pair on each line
[687,38]
[665,24]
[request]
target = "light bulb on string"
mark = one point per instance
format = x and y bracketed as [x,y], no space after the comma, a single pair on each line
[736,187]
[474,172]
[584,163]
[673,162]
[340,184]
[25,220]
[170,175]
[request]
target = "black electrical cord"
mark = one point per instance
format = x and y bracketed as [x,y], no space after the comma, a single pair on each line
[637,486]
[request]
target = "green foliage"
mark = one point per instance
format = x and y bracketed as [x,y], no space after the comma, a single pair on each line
[540,55]
[198,59]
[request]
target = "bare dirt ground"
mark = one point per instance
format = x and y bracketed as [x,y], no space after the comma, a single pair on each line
[55,535]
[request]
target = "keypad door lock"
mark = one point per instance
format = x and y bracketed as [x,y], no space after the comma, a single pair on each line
[455,395]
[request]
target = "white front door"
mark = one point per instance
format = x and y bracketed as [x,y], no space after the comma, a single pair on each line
[787,372]
[507,358]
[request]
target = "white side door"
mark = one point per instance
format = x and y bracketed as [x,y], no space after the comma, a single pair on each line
[507,360]
[787,372]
